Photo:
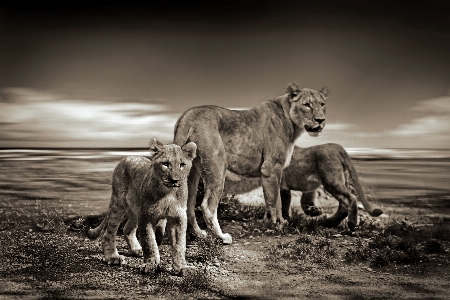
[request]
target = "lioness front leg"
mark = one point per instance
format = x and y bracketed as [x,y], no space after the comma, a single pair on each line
[177,231]
[270,181]
[148,243]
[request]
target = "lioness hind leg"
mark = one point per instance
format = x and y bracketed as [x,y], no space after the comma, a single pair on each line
[209,209]
[129,232]
[193,180]
[270,181]
[212,166]
[115,216]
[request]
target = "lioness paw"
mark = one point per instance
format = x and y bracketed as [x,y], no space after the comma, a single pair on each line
[116,260]
[227,239]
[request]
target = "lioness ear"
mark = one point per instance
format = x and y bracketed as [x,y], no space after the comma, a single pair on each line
[155,147]
[190,150]
[324,91]
[294,91]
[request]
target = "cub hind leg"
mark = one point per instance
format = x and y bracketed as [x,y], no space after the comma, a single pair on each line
[129,232]
[308,205]
[115,216]
[347,207]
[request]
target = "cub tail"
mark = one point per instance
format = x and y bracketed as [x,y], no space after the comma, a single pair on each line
[94,233]
[374,212]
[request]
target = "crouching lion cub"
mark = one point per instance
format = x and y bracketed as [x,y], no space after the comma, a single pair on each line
[328,165]
[149,190]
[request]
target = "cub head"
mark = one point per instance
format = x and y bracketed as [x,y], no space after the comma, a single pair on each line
[171,163]
[308,108]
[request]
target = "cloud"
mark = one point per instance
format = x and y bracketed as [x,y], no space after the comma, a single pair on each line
[52,120]
[338,127]
[433,119]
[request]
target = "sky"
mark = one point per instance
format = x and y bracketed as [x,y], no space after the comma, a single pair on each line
[115,74]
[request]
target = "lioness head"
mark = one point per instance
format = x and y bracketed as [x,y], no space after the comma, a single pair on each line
[308,108]
[171,163]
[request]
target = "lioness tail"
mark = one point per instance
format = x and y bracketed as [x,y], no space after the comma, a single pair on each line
[374,212]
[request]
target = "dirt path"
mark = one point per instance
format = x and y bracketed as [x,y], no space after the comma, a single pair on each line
[63,265]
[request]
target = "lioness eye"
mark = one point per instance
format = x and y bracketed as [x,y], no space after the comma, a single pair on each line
[307,104]
[182,165]
[166,164]
[322,104]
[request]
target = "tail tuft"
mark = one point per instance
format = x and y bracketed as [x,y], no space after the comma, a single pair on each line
[94,233]
[376,212]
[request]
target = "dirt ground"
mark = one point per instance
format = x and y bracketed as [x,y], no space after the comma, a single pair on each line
[43,258]
[64,265]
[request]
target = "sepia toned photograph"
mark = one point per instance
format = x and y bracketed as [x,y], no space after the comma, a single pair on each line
[225,149]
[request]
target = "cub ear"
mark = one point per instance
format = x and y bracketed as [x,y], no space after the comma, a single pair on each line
[190,150]
[294,91]
[324,91]
[155,147]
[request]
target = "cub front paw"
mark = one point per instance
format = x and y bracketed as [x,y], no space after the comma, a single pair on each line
[313,211]
[186,271]
[116,260]
[136,252]
[150,268]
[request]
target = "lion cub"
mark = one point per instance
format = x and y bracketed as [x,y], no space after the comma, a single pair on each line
[148,190]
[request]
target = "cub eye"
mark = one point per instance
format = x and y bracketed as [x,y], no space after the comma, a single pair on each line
[307,104]
[182,165]
[166,164]
[322,104]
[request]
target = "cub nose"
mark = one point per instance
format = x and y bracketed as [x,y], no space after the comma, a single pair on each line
[173,179]
[319,120]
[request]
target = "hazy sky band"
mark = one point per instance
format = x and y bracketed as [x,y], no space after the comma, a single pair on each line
[378,59]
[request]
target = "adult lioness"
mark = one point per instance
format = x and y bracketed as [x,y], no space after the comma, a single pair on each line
[257,142]
[149,190]
[328,165]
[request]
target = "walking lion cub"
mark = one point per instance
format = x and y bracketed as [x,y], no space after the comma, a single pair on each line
[149,190]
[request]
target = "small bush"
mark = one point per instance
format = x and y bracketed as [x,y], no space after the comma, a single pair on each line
[308,252]
[396,243]
[433,246]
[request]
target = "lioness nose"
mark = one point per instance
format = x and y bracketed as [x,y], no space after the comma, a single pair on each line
[319,120]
